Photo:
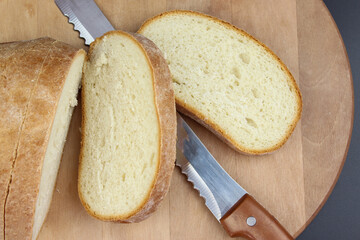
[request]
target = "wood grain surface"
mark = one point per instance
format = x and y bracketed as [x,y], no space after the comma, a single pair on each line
[292,183]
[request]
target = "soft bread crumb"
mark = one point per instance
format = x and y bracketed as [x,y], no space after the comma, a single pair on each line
[227,79]
[120,152]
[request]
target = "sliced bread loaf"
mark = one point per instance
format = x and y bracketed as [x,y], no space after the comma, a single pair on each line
[40,80]
[227,80]
[128,130]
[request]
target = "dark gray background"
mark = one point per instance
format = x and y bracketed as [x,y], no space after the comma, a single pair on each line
[339,219]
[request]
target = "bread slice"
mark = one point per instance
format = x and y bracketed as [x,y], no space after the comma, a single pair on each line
[40,81]
[129,128]
[227,80]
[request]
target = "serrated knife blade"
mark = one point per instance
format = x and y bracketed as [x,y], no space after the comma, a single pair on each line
[218,189]
[86,17]
[239,213]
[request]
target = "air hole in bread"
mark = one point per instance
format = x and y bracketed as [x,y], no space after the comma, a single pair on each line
[206,70]
[176,81]
[152,159]
[245,58]
[251,122]
[236,72]
[255,93]
[143,168]
[123,177]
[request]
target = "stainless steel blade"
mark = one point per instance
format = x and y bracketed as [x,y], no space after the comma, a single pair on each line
[86,17]
[218,189]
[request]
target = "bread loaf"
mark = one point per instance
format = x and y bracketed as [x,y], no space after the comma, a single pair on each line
[227,80]
[129,128]
[39,84]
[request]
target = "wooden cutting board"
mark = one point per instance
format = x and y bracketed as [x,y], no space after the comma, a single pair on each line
[292,183]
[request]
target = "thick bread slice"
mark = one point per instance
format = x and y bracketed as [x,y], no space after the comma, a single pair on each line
[40,81]
[128,130]
[227,80]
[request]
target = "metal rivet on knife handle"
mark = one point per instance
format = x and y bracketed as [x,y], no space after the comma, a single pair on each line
[251,221]
[247,218]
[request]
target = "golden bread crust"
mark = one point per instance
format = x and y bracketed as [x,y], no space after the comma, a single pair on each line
[37,70]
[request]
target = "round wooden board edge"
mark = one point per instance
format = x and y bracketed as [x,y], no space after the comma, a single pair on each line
[327,195]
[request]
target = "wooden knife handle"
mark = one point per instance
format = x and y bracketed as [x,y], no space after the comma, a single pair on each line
[248,219]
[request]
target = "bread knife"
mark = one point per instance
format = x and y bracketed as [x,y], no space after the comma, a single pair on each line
[237,211]
[86,17]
